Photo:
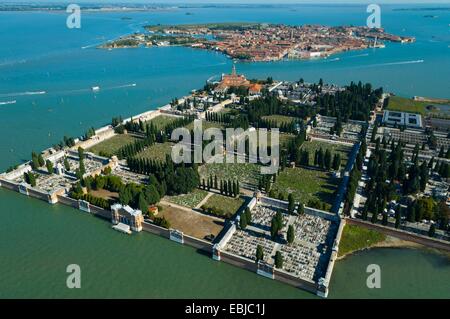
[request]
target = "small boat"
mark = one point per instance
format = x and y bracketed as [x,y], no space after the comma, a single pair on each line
[95,88]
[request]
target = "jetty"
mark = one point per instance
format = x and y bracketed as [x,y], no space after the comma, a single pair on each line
[123,228]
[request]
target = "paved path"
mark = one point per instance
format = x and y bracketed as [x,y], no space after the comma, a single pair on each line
[204,200]
[344,183]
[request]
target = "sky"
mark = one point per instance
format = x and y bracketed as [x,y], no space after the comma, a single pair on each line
[235,1]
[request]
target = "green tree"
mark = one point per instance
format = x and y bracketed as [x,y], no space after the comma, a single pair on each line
[41,160]
[327,159]
[374,218]
[337,161]
[66,164]
[243,221]
[291,204]
[49,165]
[125,196]
[248,215]
[151,194]
[290,234]
[80,153]
[320,158]
[32,179]
[432,230]
[398,219]
[142,203]
[82,168]
[384,221]
[34,160]
[259,253]
[301,209]
[278,260]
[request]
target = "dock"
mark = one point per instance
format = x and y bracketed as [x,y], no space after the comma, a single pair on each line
[122,228]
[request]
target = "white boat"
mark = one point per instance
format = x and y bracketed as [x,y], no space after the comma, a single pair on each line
[95,88]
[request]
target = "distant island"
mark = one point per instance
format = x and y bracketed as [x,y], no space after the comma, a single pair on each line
[423,9]
[259,41]
[52,7]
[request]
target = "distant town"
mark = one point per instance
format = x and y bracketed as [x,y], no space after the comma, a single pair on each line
[261,42]
[355,170]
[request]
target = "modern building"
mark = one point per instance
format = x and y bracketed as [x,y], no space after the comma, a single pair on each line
[402,119]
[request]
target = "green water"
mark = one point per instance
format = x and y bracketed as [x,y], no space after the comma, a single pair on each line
[38,241]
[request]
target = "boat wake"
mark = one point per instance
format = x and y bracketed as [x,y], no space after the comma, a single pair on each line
[12,63]
[63,92]
[400,63]
[8,102]
[23,93]
[388,64]
[122,86]
[358,55]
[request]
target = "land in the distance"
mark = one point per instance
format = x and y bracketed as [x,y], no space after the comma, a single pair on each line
[259,41]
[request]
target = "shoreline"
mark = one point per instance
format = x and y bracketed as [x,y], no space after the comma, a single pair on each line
[394,242]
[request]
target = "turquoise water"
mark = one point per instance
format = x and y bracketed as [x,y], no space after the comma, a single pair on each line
[38,53]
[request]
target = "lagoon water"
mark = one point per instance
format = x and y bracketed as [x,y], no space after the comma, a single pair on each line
[38,53]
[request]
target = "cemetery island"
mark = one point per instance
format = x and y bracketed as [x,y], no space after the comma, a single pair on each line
[354,167]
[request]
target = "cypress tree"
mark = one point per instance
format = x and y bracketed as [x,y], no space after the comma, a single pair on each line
[49,165]
[259,253]
[432,230]
[278,260]
[290,234]
[243,221]
[398,219]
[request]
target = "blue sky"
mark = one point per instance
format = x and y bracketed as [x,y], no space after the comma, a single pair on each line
[237,1]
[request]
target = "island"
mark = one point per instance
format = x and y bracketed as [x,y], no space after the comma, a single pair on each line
[353,172]
[261,42]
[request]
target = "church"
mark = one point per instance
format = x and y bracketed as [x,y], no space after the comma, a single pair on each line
[232,80]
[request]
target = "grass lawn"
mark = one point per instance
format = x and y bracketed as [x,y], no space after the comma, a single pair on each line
[355,238]
[398,103]
[284,138]
[279,118]
[157,151]
[190,200]
[227,206]
[306,184]
[312,146]
[206,125]
[111,146]
[162,121]
[228,109]
[247,173]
